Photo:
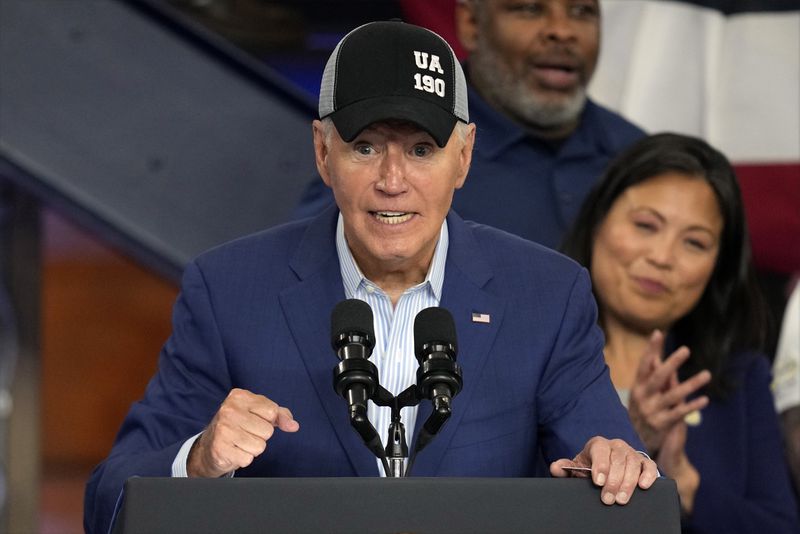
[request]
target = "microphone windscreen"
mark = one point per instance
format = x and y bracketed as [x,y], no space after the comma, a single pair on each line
[433,325]
[351,316]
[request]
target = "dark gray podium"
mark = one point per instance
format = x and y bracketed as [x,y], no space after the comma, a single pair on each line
[380,505]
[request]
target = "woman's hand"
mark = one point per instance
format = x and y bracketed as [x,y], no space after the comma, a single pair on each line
[675,464]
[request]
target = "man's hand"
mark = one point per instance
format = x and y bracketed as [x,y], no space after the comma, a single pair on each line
[658,400]
[616,467]
[237,434]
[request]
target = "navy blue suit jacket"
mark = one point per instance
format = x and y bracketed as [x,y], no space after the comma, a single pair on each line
[738,450]
[255,314]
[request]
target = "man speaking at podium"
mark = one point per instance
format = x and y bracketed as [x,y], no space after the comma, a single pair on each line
[244,381]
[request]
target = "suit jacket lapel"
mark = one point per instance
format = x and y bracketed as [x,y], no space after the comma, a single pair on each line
[466,274]
[307,307]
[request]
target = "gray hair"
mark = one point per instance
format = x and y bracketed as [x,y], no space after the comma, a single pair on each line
[461,129]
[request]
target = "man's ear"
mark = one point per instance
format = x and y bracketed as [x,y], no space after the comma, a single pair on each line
[321,151]
[466,25]
[466,155]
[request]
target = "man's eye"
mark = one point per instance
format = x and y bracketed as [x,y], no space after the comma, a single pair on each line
[584,11]
[364,149]
[526,8]
[421,150]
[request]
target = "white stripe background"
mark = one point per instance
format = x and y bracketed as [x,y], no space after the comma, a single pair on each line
[732,79]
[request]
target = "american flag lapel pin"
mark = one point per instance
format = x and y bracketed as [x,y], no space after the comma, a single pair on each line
[481,318]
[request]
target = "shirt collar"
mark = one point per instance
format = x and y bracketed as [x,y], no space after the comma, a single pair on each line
[352,276]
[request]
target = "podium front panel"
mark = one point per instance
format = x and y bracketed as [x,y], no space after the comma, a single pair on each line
[380,505]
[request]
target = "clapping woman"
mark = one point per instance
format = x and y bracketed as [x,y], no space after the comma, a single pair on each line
[665,239]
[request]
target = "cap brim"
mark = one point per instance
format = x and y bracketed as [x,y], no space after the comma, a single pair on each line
[351,120]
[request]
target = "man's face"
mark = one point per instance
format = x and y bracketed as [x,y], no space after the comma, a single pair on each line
[532,58]
[394,187]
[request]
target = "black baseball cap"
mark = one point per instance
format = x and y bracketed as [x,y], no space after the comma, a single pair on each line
[393,70]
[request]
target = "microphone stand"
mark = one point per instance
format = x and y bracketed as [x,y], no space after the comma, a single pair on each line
[359,380]
[396,448]
[396,445]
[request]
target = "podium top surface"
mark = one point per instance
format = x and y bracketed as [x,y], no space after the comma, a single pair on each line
[409,505]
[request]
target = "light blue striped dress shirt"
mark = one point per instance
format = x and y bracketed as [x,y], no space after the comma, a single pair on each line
[394,327]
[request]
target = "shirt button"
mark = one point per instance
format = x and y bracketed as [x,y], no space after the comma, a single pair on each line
[370,289]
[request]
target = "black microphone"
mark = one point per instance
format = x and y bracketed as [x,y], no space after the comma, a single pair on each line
[355,377]
[353,338]
[438,376]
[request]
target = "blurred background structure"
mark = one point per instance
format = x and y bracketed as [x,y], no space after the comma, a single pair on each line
[136,133]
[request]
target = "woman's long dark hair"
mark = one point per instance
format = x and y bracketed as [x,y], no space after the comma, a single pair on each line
[730,314]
